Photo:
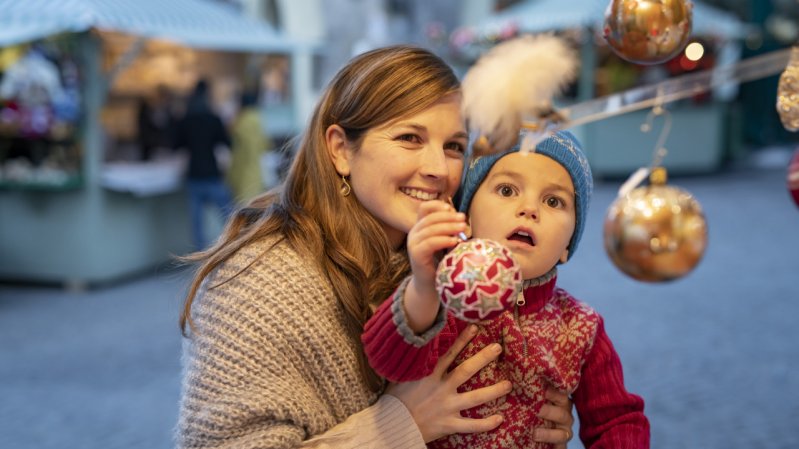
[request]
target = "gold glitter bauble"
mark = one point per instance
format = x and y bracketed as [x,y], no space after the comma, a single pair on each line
[655,233]
[648,31]
[788,93]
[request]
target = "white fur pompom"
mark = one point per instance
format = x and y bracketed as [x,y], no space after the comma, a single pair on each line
[516,78]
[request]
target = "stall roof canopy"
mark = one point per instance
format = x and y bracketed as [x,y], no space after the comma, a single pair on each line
[206,24]
[545,15]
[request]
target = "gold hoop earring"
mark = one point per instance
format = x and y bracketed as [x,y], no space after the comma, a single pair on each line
[345,186]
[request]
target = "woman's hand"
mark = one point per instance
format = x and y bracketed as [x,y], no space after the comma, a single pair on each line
[434,402]
[557,410]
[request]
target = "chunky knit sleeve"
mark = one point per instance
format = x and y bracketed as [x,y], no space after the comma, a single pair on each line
[397,353]
[271,366]
[387,424]
[610,416]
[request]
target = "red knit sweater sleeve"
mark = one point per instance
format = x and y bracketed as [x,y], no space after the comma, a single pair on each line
[610,416]
[396,354]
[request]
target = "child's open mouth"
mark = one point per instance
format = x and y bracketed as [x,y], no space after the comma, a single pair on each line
[522,236]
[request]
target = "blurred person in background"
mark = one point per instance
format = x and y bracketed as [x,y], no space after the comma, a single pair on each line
[156,123]
[201,132]
[250,142]
[274,314]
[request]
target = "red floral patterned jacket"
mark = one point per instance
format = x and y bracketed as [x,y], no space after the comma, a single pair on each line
[551,339]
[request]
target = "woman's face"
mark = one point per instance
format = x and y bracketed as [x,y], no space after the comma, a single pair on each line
[413,159]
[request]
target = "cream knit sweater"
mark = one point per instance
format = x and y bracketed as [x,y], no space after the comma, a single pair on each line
[271,366]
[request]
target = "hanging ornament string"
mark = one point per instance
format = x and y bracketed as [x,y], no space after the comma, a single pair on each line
[657,232]
[660,150]
[658,153]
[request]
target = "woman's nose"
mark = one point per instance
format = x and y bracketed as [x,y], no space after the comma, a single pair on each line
[434,163]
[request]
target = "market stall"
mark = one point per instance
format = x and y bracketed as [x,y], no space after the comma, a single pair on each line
[71,211]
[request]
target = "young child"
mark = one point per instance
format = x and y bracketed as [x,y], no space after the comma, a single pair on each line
[535,204]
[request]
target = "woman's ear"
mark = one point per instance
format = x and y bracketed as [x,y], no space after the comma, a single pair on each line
[338,147]
[565,256]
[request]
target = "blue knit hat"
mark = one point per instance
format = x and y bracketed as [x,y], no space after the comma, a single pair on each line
[562,147]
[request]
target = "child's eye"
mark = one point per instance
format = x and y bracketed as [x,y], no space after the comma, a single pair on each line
[505,190]
[555,202]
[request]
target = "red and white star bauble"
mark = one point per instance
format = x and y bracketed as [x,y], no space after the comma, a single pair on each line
[478,280]
[793,177]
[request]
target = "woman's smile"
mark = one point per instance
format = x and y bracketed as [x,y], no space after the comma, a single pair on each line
[419,194]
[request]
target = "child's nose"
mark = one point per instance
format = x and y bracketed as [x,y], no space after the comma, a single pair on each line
[528,209]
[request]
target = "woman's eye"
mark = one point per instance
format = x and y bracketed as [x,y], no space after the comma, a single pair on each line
[412,138]
[455,146]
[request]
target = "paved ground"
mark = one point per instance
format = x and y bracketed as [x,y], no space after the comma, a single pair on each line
[715,354]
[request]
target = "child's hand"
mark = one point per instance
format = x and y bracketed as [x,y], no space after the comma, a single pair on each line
[436,229]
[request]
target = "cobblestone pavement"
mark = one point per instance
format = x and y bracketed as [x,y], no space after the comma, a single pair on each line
[714,354]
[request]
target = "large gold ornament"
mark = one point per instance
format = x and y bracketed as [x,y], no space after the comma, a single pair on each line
[788,93]
[648,31]
[655,233]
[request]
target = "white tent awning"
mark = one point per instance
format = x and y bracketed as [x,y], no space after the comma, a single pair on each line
[205,24]
[535,16]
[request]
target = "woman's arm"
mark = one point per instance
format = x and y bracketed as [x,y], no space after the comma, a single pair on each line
[386,424]
[265,370]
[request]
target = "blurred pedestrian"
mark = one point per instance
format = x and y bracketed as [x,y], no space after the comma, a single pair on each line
[156,123]
[250,142]
[201,132]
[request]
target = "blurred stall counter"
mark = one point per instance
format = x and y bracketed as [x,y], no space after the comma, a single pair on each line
[143,179]
[132,219]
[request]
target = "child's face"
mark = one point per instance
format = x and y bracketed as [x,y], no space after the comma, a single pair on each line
[526,202]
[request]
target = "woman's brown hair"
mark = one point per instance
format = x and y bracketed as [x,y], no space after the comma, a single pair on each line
[308,209]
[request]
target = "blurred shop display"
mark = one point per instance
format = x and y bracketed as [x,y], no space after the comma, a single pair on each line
[80,82]
[40,115]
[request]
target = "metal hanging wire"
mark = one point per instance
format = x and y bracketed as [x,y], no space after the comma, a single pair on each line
[660,150]
[664,92]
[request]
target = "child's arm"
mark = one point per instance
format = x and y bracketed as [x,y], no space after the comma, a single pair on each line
[403,339]
[610,416]
[398,354]
[436,229]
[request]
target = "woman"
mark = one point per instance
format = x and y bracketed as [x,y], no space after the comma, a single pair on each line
[277,307]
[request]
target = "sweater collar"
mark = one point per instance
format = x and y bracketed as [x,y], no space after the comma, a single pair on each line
[537,291]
